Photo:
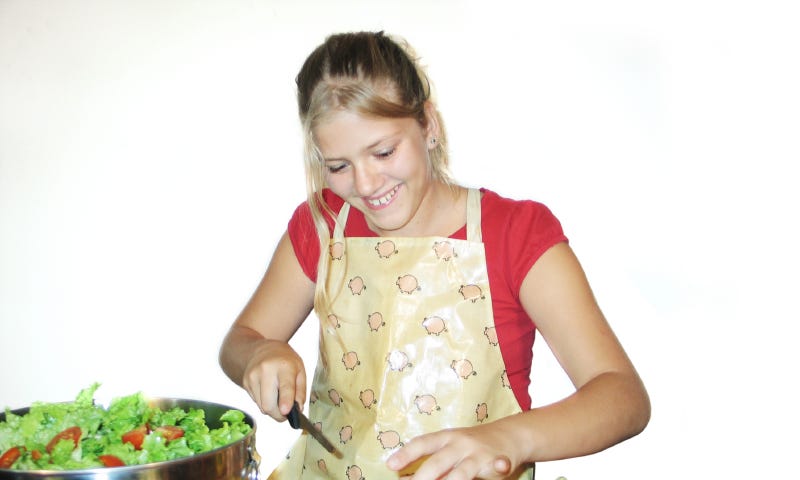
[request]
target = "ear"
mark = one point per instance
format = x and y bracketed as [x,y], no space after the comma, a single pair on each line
[432,128]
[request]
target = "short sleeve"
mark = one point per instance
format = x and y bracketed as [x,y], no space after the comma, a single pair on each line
[534,230]
[303,232]
[304,240]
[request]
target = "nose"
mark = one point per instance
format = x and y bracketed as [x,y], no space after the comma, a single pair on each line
[367,179]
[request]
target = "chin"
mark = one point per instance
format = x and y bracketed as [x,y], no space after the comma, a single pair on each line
[386,226]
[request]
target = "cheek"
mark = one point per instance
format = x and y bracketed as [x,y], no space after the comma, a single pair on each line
[340,184]
[413,165]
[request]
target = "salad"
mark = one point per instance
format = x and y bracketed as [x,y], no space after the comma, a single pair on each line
[80,434]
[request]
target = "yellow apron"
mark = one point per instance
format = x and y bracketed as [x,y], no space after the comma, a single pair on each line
[408,347]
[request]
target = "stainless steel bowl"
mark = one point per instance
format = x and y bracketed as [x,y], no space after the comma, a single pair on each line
[239,460]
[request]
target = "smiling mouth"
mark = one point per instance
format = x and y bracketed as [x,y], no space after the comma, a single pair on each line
[384,200]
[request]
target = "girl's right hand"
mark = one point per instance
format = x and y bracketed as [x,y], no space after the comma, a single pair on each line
[275,378]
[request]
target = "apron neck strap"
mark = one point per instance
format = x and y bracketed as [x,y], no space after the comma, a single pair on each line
[341,221]
[473,217]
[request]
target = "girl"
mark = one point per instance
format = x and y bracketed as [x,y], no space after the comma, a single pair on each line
[429,295]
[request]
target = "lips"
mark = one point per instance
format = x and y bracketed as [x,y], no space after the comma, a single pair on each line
[377,203]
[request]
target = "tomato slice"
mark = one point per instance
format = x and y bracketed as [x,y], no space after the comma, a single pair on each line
[135,437]
[170,432]
[111,461]
[10,456]
[71,433]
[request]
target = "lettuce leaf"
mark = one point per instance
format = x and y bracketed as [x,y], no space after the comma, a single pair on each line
[102,431]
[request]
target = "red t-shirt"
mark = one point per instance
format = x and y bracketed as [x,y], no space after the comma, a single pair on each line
[515,234]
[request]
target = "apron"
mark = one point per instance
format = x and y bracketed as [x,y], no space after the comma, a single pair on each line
[408,347]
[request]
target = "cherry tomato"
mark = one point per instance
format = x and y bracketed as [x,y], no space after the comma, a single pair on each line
[72,433]
[170,432]
[111,461]
[11,456]
[135,437]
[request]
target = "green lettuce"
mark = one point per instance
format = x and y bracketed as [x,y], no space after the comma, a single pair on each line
[102,430]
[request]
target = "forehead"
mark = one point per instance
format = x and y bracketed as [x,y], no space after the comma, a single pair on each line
[344,132]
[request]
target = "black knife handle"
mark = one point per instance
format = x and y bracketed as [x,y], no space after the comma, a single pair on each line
[294,416]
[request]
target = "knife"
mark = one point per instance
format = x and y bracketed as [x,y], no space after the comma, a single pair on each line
[299,421]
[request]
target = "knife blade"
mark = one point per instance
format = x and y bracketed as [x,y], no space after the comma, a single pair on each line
[299,421]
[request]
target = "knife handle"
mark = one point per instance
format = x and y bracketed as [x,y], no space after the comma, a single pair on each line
[294,416]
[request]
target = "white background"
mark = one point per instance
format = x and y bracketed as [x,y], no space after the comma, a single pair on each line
[150,158]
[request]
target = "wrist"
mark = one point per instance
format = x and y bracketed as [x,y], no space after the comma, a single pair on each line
[524,438]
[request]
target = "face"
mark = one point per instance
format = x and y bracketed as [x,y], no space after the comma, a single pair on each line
[380,166]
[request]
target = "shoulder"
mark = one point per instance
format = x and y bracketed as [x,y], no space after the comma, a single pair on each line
[499,211]
[516,233]
[303,232]
[302,218]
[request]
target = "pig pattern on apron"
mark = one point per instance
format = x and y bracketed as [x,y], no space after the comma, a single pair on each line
[408,347]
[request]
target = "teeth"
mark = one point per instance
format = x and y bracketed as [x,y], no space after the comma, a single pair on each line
[384,199]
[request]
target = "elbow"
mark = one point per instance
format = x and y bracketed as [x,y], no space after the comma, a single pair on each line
[640,411]
[222,352]
[645,414]
[630,403]
[226,360]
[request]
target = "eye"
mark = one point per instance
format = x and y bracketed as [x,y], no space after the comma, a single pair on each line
[336,167]
[386,153]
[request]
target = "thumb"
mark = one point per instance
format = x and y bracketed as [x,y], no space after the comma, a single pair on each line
[502,465]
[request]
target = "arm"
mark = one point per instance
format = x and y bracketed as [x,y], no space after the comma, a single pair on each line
[255,353]
[609,405]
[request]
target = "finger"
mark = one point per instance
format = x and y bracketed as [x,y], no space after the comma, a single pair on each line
[269,400]
[254,386]
[467,469]
[499,467]
[441,465]
[477,467]
[411,452]
[502,465]
[253,392]
[287,392]
[300,387]
[409,470]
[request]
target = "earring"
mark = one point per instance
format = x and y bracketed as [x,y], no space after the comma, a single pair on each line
[433,141]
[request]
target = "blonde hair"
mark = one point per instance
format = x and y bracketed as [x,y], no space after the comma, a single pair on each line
[371,74]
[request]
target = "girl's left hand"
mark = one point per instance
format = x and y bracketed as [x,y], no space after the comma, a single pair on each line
[485,451]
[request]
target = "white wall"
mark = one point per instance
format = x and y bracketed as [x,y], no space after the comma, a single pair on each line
[150,158]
